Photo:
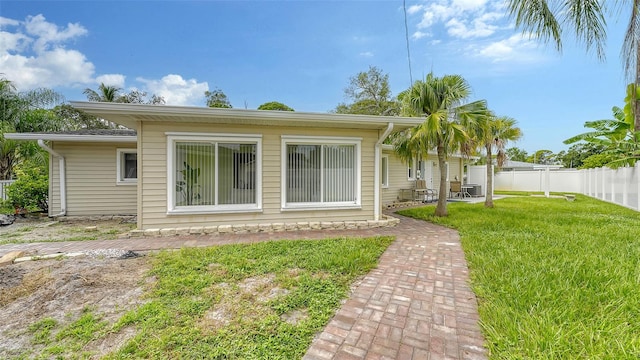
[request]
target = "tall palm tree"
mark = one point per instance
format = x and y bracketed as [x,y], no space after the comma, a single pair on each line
[440,101]
[497,132]
[585,18]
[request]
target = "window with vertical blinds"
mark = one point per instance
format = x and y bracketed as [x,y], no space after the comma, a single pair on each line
[320,172]
[214,173]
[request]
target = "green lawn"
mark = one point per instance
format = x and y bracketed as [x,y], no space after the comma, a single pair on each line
[554,279]
[258,301]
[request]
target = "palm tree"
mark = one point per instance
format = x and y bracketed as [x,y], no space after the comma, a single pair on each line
[105,93]
[23,112]
[585,18]
[440,101]
[496,133]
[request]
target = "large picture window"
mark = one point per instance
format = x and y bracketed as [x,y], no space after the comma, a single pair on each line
[217,173]
[320,172]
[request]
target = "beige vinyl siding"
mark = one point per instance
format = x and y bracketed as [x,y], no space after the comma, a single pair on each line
[398,176]
[397,179]
[91,180]
[152,177]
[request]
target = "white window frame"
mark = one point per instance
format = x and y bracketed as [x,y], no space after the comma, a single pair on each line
[412,167]
[174,137]
[120,176]
[320,140]
[384,175]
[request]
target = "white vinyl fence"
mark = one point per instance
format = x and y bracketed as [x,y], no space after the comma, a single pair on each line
[620,186]
[3,188]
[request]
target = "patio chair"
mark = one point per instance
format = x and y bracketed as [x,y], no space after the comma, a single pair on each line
[455,189]
[422,193]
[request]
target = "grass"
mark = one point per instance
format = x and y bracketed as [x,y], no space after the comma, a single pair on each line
[258,301]
[554,279]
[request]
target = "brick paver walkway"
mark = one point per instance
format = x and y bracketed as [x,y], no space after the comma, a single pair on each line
[415,305]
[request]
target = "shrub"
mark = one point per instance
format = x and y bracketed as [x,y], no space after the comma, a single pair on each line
[30,191]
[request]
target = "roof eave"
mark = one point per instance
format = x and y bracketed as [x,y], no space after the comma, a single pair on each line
[73,138]
[339,120]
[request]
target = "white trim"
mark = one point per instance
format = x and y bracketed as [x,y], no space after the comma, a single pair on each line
[384,175]
[63,177]
[319,140]
[129,114]
[120,178]
[68,137]
[172,209]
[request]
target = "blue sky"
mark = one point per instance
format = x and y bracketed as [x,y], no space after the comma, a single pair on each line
[302,53]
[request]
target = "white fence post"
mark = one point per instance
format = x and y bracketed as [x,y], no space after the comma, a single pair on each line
[3,188]
[625,186]
[604,183]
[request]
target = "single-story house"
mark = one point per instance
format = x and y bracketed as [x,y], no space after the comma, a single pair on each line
[197,167]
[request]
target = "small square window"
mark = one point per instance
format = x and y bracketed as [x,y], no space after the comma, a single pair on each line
[127,171]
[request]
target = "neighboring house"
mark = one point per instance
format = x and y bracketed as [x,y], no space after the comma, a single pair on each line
[200,167]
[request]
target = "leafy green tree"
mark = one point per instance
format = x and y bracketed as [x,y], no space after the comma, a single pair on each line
[543,157]
[274,105]
[217,99]
[440,101]
[30,191]
[108,93]
[370,95]
[586,20]
[598,160]
[516,154]
[575,156]
[617,135]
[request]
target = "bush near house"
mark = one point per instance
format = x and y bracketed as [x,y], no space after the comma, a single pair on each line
[31,190]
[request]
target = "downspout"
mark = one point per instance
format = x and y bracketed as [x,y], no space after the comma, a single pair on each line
[63,179]
[376,171]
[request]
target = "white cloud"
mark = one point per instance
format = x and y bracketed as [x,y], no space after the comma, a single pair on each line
[462,19]
[366,54]
[414,9]
[419,35]
[177,91]
[116,80]
[516,48]
[8,22]
[49,34]
[33,54]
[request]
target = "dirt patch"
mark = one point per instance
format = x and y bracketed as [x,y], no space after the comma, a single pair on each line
[62,290]
[35,229]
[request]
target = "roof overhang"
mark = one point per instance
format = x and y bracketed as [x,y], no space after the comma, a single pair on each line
[73,138]
[130,114]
